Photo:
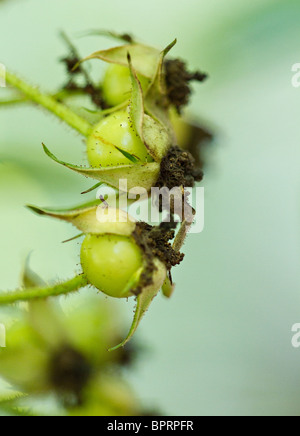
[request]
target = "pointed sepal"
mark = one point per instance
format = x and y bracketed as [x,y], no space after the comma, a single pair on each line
[144,58]
[143,175]
[145,298]
[153,133]
[156,101]
[95,220]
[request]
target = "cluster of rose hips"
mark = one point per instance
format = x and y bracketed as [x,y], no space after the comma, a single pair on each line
[136,137]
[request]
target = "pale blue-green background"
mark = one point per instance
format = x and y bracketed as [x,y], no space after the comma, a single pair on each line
[222,345]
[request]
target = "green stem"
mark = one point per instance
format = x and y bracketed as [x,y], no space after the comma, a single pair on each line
[40,293]
[51,104]
[13,102]
[59,96]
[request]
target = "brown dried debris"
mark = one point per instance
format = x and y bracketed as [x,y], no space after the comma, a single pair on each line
[155,243]
[69,372]
[178,82]
[178,169]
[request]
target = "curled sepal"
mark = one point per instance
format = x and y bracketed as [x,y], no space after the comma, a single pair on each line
[158,85]
[43,317]
[108,33]
[152,132]
[144,58]
[142,175]
[156,101]
[96,220]
[29,279]
[145,298]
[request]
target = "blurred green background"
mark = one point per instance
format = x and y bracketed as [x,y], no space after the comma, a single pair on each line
[222,345]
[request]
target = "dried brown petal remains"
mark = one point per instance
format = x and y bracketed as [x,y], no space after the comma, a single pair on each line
[178,82]
[74,68]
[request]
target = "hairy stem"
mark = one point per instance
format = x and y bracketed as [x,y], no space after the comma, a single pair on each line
[188,218]
[181,235]
[51,104]
[40,293]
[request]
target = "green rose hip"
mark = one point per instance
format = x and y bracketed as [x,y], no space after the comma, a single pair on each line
[110,137]
[116,85]
[109,262]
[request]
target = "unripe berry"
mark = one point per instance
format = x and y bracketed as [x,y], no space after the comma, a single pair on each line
[181,128]
[111,134]
[116,86]
[109,262]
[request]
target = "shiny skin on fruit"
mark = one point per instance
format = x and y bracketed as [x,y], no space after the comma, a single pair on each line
[109,262]
[116,85]
[113,132]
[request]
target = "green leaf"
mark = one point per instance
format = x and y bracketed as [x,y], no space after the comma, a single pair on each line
[144,58]
[143,175]
[129,156]
[144,300]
